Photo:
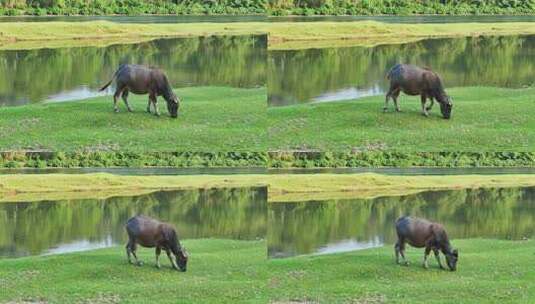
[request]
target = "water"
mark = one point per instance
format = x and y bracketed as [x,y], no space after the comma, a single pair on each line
[62,74]
[52,227]
[252,18]
[261,170]
[141,171]
[137,19]
[406,19]
[405,171]
[331,74]
[320,227]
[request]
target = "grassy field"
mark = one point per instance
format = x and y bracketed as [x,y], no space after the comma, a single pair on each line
[283,35]
[221,271]
[483,119]
[282,187]
[215,119]
[502,274]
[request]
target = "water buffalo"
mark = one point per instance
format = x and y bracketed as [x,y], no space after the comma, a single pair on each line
[151,233]
[140,79]
[423,233]
[413,80]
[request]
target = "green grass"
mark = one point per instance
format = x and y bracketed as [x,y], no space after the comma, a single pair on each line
[483,119]
[282,187]
[489,271]
[282,35]
[219,271]
[212,119]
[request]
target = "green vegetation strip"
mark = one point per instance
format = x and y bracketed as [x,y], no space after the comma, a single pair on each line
[373,159]
[282,187]
[106,159]
[274,7]
[283,35]
[218,119]
[484,119]
[233,271]
[135,7]
[280,159]
[388,7]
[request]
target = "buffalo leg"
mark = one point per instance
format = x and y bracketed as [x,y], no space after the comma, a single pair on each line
[128,252]
[385,108]
[125,99]
[424,109]
[395,96]
[118,93]
[131,250]
[426,254]
[154,101]
[396,249]
[391,92]
[431,104]
[158,251]
[173,262]
[400,250]
[437,256]
[148,105]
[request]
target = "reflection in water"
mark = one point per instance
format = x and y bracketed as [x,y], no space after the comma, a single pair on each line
[53,227]
[300,76]
[349,245]
[346,94]
[75,73]
[351,224]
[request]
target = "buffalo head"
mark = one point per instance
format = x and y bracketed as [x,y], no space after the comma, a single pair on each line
[173,104]
[446,106]
[451,259]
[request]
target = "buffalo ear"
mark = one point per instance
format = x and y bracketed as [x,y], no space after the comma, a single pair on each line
[455,252]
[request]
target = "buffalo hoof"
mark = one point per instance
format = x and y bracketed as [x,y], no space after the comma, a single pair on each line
[398,110]
[385,110]
[116,110]
[130,110]
[139,263]
[158,266]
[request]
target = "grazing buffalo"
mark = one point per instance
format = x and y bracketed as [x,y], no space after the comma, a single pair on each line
[422,233]
[149,232]
[413,80]
[140,79]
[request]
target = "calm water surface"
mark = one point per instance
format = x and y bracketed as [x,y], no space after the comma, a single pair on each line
[137,19]
[331,74]
[62,74]
[252,18]
[51,227]
[405,19]
[260,170]
[319,227]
